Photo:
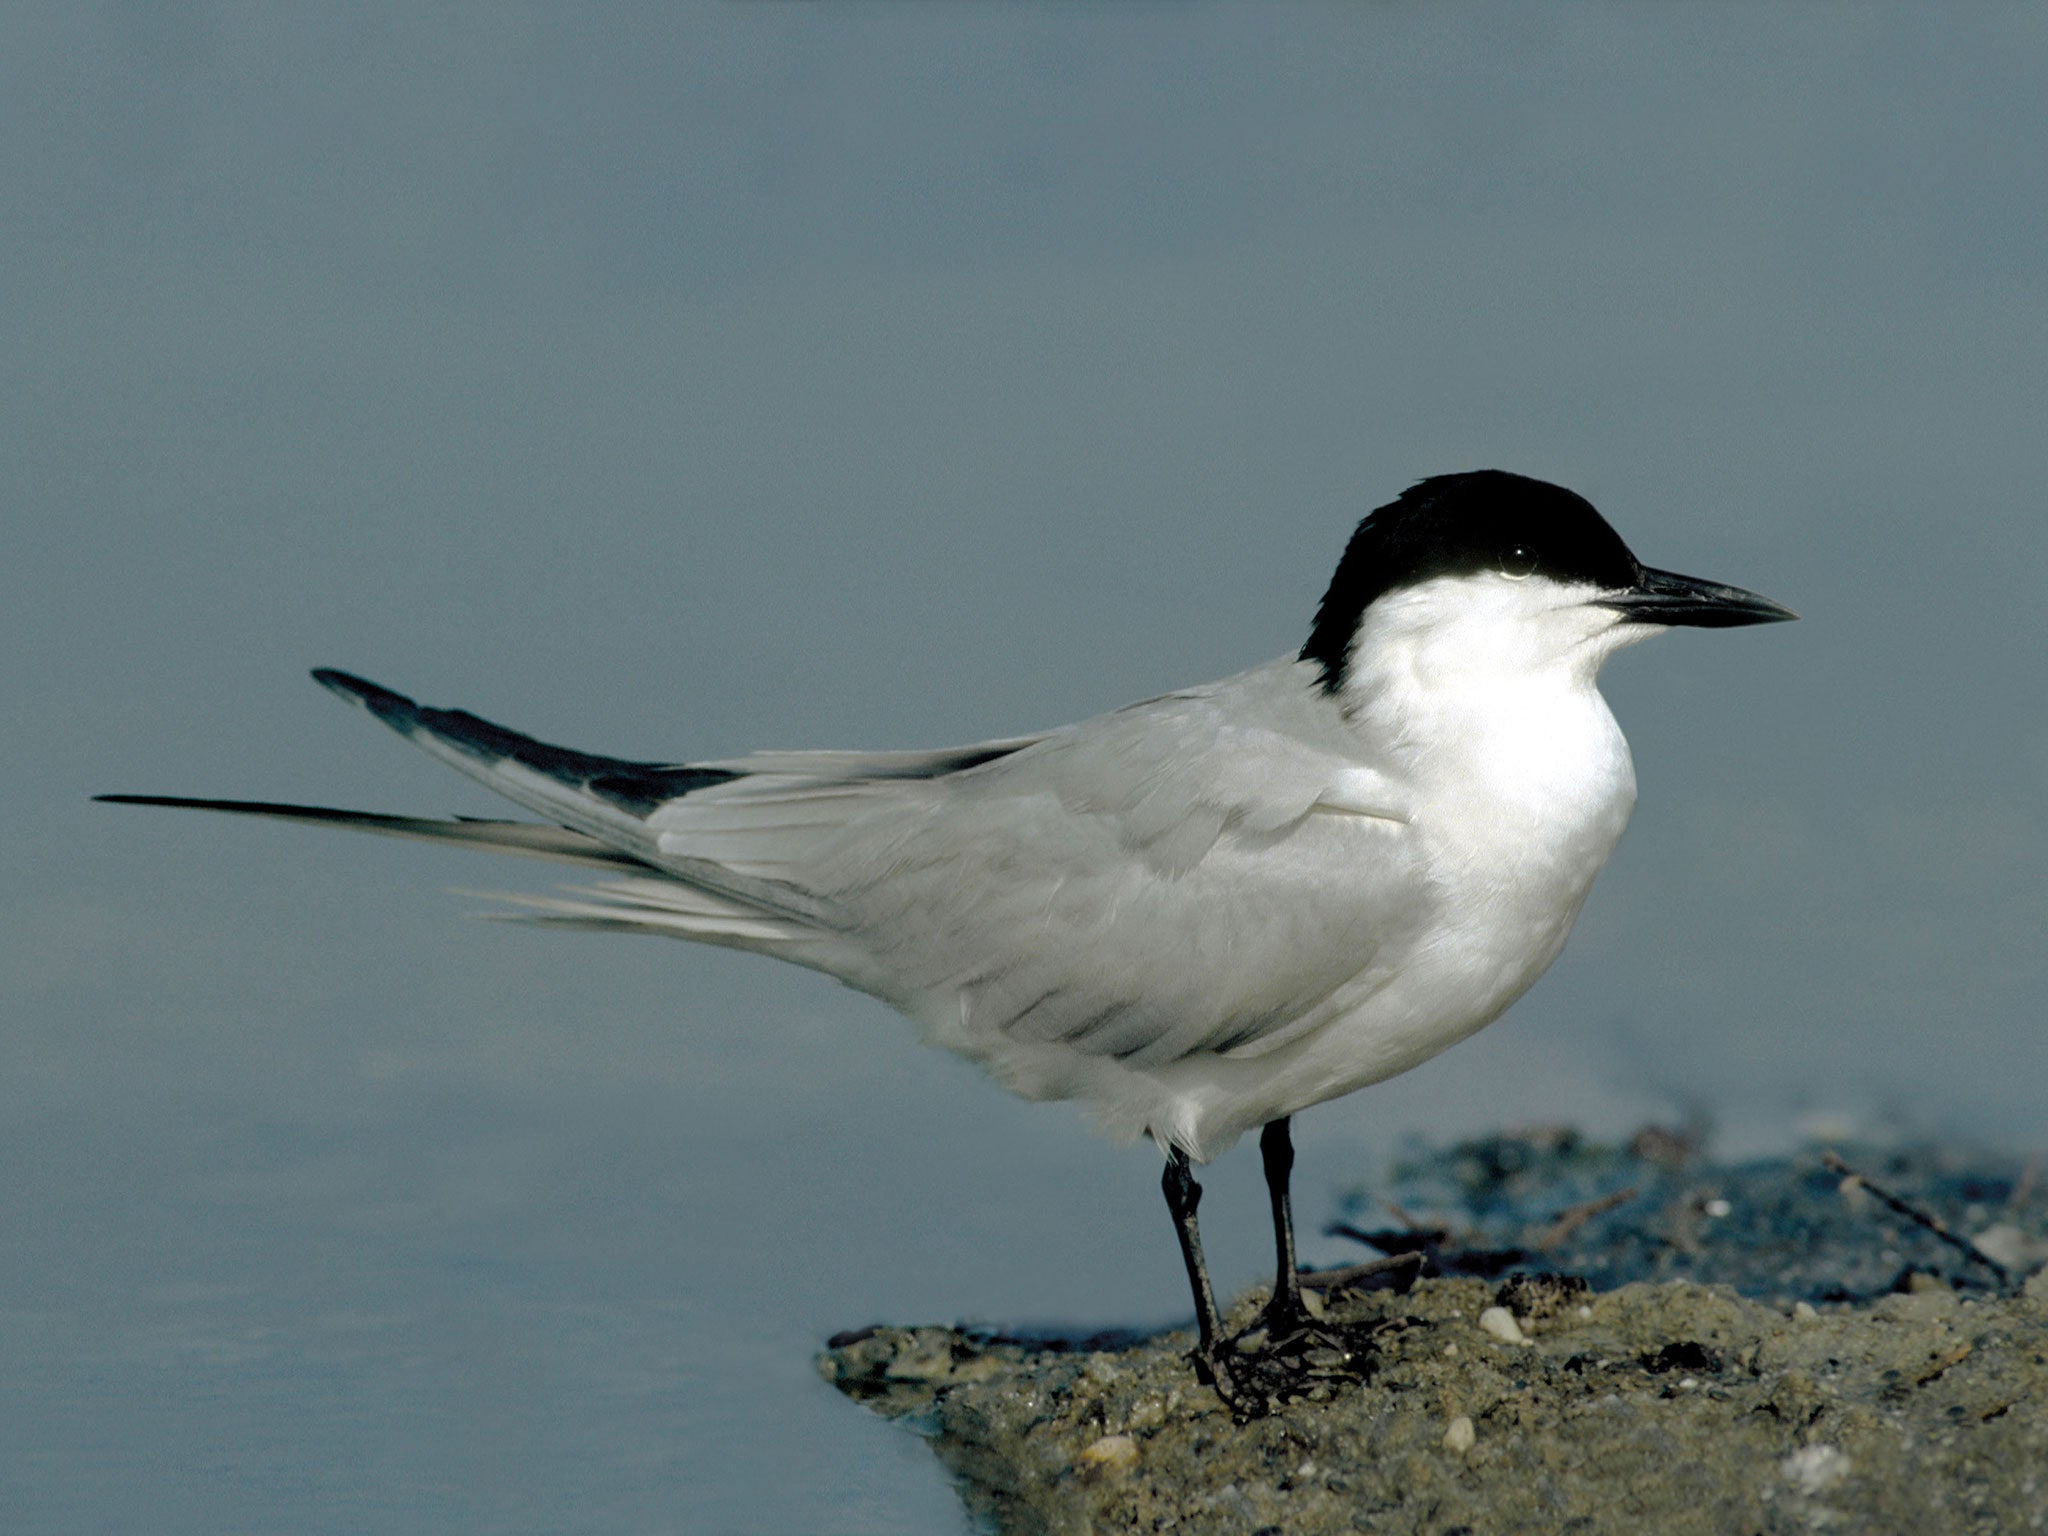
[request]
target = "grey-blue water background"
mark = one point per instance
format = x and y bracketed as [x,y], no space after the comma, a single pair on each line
[682,381]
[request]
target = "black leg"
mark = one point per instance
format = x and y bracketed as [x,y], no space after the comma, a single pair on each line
[1183,1194]
[1298,1356]
[1276,1149]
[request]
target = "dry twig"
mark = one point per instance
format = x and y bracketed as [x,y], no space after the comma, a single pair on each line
[1913,1213]
[1351,1274]
[1565,1223]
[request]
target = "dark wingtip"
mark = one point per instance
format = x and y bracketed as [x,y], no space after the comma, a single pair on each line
[394,709]
[633,787]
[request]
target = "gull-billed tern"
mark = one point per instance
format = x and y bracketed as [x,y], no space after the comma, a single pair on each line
[1198,914]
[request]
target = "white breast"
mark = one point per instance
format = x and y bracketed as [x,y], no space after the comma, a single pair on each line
[1518,785]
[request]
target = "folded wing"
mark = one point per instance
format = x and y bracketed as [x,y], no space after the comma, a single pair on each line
[1179,877]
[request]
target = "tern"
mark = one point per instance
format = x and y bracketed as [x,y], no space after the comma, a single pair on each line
[1202,913]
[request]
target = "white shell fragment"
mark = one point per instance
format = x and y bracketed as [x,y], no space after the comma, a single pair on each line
[1500,1322]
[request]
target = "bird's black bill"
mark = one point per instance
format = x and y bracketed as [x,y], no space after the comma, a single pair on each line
[1665,597]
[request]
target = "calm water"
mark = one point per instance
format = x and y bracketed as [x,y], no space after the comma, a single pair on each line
[680,383]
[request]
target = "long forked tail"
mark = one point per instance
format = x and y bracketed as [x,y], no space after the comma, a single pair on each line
[600,807]
[520,837]
[652,903]
[597,803]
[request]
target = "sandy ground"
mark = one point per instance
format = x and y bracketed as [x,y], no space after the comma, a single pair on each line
[1876,1377]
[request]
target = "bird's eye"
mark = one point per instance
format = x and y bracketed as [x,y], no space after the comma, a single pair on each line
[1517,561]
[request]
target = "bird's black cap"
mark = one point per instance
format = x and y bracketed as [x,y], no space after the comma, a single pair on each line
[1458,525]
[1490,520]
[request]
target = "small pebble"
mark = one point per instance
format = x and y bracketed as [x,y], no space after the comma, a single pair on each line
[1803,1310]
[1460,1435]
[1815,1469]
[1112,1453]
[1717,1208]
[1500,1322]
[2008,1245]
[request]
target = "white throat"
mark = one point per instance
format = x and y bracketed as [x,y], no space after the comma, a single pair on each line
[1483,693]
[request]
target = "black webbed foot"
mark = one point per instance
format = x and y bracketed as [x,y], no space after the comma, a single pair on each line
[1279,1359]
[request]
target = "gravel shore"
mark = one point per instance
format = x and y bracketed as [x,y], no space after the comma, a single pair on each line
[1775,1346]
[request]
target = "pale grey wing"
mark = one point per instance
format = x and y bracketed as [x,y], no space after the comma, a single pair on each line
[1254,753]
[1200,873]
[838,766]
[1033,929]
[1160,781]
[1177,877]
